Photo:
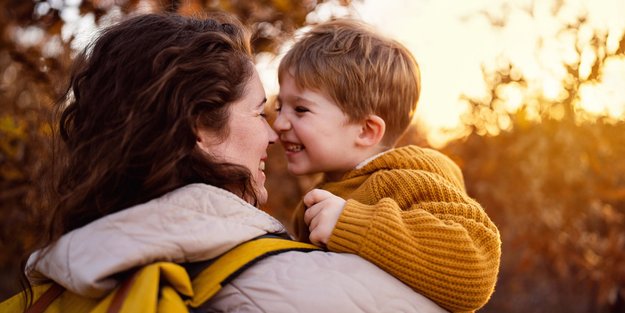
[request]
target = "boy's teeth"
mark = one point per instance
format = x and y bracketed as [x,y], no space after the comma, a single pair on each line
[294,148]
[261,166]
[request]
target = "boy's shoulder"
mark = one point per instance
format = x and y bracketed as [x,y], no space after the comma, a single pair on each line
[408,160]
[411,157]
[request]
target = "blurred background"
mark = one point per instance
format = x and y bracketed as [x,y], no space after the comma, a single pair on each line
[528,97]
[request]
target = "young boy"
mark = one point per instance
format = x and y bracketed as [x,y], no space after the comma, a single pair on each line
[346,95]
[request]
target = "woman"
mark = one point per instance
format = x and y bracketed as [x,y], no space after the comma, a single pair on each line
[164,145]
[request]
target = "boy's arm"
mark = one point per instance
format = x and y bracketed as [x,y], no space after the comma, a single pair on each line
[432,237]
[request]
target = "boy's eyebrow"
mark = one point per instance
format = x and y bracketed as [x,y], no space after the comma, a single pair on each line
[296,99]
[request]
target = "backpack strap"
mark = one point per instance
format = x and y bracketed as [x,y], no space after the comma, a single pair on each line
[118,299]
[228,266]
[211,275]
[46,299]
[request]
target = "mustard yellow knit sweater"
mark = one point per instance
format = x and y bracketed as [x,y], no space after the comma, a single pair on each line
[408,212]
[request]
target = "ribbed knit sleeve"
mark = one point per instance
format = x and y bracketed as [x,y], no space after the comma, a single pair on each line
[421,227]
[352,227]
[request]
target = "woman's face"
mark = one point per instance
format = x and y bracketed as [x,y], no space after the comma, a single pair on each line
[248,138]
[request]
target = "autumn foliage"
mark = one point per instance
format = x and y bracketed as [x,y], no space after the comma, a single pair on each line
[556,190]
[550,175]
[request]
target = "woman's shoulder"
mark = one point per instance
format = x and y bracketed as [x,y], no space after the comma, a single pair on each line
[319,282]
[194,223]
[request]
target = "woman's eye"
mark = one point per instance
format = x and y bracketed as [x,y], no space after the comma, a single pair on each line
[301,109]
[278,106]
[263,115]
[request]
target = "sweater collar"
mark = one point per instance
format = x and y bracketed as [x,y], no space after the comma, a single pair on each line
[368,160]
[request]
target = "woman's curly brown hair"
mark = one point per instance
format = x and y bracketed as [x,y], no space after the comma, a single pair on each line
[129,118]
[138,95]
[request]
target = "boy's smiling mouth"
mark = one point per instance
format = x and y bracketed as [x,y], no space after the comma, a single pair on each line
[292,147]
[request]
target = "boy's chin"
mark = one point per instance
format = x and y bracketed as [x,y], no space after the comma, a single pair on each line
[296,171]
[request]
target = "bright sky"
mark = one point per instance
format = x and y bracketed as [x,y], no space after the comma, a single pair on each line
[451,40]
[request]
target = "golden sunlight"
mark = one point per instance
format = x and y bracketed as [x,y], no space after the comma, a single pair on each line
[606,97]
[453,39]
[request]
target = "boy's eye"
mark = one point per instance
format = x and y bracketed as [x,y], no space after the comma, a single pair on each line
[278,106]
[301,109]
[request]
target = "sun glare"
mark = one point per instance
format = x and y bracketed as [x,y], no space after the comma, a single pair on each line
[451,40]
[606,97]
[512,95]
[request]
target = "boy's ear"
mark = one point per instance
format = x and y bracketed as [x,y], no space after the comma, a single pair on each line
[372,131]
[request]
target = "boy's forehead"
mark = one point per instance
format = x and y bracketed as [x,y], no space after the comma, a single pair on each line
[308,96]
[292,91]
[299,81]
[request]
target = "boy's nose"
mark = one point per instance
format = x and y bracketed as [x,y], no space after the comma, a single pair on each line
[281,123]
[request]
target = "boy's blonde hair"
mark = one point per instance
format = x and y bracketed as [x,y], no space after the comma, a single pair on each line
[361,71]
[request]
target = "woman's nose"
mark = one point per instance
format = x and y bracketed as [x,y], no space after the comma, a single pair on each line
[273,136]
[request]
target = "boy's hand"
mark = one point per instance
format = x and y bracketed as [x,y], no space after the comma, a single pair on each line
[324,209]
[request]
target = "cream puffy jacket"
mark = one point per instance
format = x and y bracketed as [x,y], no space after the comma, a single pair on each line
[200,222]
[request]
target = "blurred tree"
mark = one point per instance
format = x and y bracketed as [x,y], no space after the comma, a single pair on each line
[37,41]
[552,176]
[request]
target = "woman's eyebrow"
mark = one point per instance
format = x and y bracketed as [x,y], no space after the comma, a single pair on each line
[262,103]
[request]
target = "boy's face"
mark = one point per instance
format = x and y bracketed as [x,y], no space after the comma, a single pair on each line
[316,135]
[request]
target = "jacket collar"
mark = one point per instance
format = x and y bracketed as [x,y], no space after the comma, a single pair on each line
[196,222]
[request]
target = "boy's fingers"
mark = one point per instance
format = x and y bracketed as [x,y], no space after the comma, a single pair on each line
[310,213]
[316,238]
[315,241]
[319,236]
[315,196]
[314,223]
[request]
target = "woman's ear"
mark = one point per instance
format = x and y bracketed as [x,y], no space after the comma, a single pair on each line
[372,131]
[203,140]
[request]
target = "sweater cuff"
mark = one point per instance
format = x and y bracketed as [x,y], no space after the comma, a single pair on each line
[352,227]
